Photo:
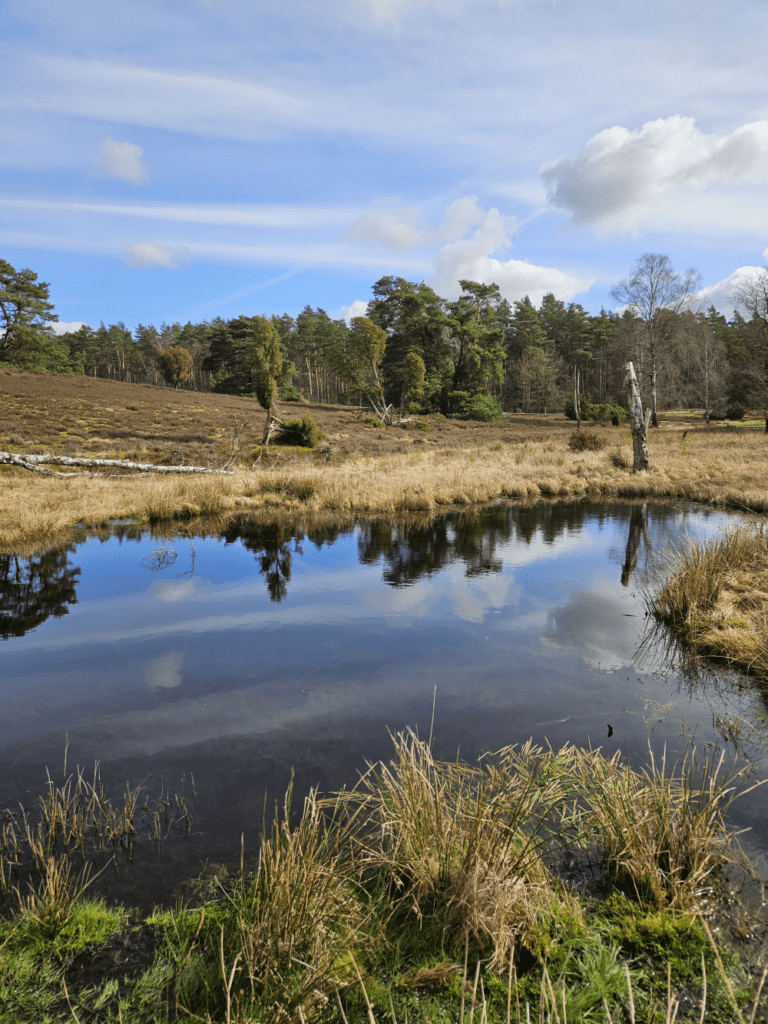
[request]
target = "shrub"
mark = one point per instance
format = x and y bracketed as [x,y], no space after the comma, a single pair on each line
[422,425]
[594,411]
[304,432]
[586,442]
[479,406]
[287,392]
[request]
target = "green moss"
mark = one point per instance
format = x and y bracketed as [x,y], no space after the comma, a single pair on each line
[89,923]
[658,938]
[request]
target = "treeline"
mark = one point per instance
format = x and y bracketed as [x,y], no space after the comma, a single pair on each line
[473,357]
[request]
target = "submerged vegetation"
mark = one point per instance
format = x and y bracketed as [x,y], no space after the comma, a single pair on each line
[432,891]
[713,595]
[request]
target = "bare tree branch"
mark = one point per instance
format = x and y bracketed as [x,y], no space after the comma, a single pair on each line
[235,451]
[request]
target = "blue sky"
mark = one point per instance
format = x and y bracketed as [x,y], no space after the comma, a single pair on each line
[173,160]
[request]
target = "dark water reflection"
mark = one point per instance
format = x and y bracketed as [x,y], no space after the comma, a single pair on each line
[34,589]
[238,656]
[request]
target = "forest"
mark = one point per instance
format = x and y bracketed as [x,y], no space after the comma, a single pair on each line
[474,357]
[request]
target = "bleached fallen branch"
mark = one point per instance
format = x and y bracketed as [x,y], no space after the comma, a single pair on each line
[35,463]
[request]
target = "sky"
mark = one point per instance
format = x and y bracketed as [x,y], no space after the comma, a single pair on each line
[181,160]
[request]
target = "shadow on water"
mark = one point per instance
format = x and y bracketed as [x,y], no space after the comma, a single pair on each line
[233,653]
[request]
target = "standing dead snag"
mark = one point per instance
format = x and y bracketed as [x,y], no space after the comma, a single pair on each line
[638,420]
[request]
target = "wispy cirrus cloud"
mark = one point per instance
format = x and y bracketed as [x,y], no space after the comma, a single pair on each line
[246,215]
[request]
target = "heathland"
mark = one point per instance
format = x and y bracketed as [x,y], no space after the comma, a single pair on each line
[559,884]
[426,464]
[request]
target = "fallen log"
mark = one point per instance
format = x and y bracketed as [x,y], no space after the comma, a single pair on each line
[35,463]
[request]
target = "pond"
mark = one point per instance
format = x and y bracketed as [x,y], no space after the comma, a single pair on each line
[216,664]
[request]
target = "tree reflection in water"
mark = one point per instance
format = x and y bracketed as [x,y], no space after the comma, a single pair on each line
[34,589]
[416,548]
[637,532]
[271,544]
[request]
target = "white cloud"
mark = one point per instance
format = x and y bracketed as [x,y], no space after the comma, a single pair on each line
[472,259]
[401,228]
[722,295]
[61,327]
[393,229]
[358,308]
[122,160]
[147,254]
[469,258]
[621,175]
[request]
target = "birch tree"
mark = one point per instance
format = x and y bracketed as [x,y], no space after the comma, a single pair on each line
[656,294]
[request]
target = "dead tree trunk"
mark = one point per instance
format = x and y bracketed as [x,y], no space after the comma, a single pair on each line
[576,402]
[33,463]
[638,420]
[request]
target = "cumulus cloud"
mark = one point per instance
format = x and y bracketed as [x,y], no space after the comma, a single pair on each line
[466,241]
[472,259]
[620,175]
[122,160]
[147,254]
[401,228]
[398,229]
[61,327]
[358,308]
[723,295]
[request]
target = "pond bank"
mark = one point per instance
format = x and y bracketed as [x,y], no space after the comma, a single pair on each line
[714,598]
[558,883]
[719,467]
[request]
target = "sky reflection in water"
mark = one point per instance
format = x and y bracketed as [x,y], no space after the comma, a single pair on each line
[237,657]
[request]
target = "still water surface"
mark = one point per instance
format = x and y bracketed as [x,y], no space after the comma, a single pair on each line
[235,658]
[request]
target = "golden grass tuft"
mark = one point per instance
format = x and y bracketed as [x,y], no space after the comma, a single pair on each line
[713,595]
[661,832]
[462,845]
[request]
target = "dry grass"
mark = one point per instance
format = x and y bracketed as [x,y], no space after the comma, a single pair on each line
[724,468]
[661,832]
[713,594]
[461,845]
[369,469]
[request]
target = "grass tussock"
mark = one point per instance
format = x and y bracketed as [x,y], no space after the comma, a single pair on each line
[461,845]
[713,595]
[426,893]
[660,833]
